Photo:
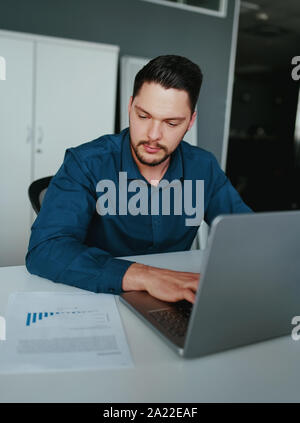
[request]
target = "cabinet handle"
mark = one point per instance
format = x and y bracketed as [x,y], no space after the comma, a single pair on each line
[29,135]
[40,135]
[39,150]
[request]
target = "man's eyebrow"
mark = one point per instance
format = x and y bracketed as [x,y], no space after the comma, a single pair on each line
[170,118]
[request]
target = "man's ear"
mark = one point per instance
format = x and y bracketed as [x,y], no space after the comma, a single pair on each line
[129,105]
[194,115]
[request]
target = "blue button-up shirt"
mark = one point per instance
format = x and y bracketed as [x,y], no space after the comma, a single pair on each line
[72,243]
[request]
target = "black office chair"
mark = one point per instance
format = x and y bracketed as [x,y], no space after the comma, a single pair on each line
[37,191]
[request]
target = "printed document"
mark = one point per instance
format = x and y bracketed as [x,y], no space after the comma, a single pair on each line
[51,331]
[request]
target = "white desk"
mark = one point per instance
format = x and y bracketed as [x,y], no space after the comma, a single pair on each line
[267,371]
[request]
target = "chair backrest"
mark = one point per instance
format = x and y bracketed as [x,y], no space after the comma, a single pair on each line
[37,191]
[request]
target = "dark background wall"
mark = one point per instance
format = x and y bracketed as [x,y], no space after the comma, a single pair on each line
[142,29]
[267,100]
[261,153]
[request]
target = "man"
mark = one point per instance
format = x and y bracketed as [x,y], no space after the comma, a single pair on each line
[75,242]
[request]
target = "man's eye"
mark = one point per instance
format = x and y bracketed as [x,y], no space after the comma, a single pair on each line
[142,117]
[172,124]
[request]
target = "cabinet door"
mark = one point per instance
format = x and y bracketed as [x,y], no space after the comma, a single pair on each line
[75,99]
[15,149]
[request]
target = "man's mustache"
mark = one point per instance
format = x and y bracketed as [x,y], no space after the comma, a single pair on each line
[156,145]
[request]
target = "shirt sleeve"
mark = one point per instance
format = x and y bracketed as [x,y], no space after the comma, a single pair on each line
[222,196]
[56,248]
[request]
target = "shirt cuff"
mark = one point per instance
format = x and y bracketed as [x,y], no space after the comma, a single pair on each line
[117,270]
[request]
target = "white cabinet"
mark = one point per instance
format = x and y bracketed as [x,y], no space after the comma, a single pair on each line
[57,94]
[16,96]
[75,99]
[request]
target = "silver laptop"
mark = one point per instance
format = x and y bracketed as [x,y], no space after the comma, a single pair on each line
[249,288]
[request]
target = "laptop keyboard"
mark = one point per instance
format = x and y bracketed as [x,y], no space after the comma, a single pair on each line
[175,320]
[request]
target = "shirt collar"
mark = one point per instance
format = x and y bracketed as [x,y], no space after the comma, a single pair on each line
[174,171]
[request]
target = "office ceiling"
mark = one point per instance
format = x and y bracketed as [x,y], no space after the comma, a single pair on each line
[269,35]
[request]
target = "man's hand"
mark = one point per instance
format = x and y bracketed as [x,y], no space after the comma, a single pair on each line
[164,284]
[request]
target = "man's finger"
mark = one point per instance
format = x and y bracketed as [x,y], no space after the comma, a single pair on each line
[189,274]
[189,296]
[191,285]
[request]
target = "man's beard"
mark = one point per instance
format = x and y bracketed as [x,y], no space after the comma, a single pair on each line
[144,161]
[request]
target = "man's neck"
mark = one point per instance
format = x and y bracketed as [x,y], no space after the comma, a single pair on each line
[153,174]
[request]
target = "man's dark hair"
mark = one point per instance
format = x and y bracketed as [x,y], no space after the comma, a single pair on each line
[171,72]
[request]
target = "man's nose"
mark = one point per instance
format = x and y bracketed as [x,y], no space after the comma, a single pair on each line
[154,131]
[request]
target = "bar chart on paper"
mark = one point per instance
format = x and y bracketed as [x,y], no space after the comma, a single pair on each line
[34,318]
